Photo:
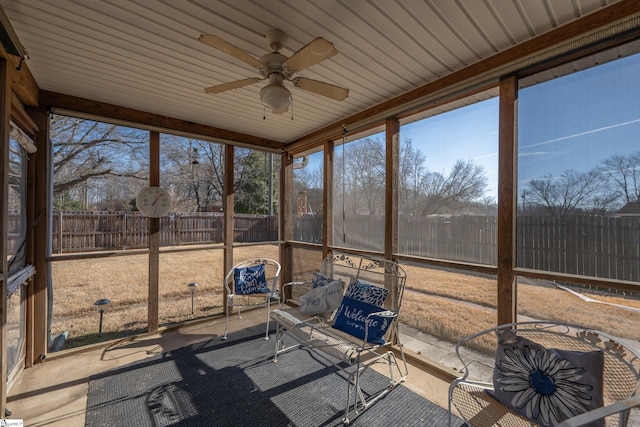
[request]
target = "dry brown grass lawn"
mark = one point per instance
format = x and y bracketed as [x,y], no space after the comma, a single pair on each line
[452,304]
[77,284]
[444,303]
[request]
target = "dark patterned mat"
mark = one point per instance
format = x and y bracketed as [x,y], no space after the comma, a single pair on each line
[235,383]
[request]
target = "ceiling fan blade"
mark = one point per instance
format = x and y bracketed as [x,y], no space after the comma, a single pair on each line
[321,88]
[231,85]
[316,51]
[228,48]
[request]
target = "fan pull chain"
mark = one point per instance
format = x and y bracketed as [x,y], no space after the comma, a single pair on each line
[292,109]
[264,112]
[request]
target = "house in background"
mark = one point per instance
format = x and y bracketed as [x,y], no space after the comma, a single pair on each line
[630,209]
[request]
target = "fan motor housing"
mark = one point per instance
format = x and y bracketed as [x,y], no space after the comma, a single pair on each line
[273,63]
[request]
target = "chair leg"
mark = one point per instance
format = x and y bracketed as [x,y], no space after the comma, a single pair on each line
[226,325]
[227,310]
[275,353]
[352,384]
[359,399]
[266,337]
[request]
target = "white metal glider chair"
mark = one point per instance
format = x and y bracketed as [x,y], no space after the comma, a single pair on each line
[250,284]
[358,332]
[545,374]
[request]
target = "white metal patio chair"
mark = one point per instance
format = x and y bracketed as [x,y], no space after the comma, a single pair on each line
[250,284]
[470,393]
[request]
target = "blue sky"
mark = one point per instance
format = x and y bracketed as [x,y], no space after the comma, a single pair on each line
[572,122]
[577,121]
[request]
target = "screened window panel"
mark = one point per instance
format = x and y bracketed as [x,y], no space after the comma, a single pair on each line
[16,227]
[308,184]
[579,171]
[607,310]
[359,193]
[447,195]
[256,196]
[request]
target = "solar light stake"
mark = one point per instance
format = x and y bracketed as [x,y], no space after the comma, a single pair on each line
[101,306]
[193,287]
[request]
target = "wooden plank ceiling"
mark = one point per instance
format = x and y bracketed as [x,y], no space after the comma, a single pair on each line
[145,54]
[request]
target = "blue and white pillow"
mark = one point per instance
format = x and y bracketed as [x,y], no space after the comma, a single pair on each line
[318,280]
[250,280]
[544,385]
[365,292]
[351,318]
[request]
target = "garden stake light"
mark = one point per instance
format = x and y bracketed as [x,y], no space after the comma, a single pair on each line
[193,287]
[101,306]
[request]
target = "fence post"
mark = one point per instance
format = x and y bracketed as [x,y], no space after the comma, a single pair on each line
[125,224]
[178,225]
[60,237]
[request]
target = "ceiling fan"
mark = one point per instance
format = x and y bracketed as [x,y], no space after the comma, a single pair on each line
[276,68]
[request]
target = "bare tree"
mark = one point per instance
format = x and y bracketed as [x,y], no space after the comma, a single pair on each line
[193,169]
[412,177]
[624,172]
[571,192]
[465,185]
[310,182]
[85,150]
[360,175]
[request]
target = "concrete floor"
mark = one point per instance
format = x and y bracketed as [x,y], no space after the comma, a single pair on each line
[54,393]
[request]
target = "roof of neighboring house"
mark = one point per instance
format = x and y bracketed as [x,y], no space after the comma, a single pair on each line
[631,208]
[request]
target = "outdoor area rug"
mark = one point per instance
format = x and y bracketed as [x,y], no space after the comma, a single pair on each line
[236,383]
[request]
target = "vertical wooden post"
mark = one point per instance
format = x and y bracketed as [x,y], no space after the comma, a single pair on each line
[327,198]
[5,116]
[154,236]
[507,289]
[228,208]
[38,292]
[32,217]
[286,217]
[392,165]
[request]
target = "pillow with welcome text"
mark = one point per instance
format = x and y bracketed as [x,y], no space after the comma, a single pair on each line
[353,318]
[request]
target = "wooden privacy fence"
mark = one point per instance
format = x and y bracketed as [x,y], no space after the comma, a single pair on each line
[456,238]
[98,231]
[595,246]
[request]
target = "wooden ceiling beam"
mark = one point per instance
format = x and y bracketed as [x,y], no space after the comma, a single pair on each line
[23,84]
[153,121]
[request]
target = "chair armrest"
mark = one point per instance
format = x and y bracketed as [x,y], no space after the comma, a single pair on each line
[295,284]
[386,313]
[283,297]
[596,414]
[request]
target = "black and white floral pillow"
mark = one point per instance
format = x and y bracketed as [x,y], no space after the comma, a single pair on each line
[318,280]
[544,385]
[366,292]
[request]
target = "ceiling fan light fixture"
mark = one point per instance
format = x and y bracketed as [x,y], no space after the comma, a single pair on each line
[276,97]
[278,68]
